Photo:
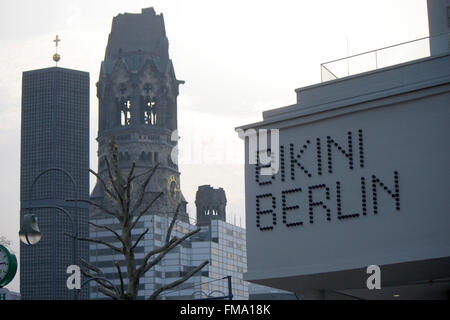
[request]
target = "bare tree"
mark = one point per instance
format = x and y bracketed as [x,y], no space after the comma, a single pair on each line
[4,241]
[127,209]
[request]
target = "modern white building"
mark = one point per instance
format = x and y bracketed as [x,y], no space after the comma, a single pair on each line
[360,177]
[221,243]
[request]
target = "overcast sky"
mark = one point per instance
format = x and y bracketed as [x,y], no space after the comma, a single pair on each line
[237,58]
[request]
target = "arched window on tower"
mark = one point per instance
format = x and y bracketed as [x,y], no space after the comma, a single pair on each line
[125,111]
[150,115]
[124,103]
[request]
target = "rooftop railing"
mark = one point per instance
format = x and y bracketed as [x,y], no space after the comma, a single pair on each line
[385,57]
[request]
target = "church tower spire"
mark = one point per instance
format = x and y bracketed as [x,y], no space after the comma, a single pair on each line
[137,92]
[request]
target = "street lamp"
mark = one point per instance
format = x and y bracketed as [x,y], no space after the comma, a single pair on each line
[29,230]
[30,233]
[229,296]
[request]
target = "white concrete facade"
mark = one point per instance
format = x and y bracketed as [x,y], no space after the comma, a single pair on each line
[221,243]
[363,179]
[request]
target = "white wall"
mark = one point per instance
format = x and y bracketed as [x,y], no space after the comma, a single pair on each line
[403,114]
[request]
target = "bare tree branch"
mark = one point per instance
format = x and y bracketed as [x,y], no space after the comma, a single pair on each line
[109,293]
[106,288]
[177,282]
[104,284]
[113,183]
[146,209]
[104,184]
[85,273]
[4,241]
[96,241]
[171,246]
[115,162]
[141,269]
[144,173]
[86,264]
[141,192]
[139,238]
[174,219]
[109,229]
[130,175]
[103,208]
[122,292]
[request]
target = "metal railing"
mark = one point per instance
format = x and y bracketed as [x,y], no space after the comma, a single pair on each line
[385,57]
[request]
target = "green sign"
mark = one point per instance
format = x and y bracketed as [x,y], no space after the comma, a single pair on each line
[8,268]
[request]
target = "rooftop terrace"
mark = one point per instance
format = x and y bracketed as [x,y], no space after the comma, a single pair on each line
[385,57]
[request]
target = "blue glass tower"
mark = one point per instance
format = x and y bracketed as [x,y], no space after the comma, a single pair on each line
[55,134]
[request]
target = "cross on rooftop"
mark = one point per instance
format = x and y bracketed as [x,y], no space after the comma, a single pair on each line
[57,39]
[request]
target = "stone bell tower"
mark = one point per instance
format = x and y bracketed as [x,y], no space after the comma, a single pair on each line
[137,92]
[211,204]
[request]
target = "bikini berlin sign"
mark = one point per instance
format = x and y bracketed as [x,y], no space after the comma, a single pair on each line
[355,174]
[286,171]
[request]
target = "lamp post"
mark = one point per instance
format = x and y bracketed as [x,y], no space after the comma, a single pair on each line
[30,233]
[229,296]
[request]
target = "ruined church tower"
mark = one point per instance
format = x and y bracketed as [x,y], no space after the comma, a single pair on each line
[137,93]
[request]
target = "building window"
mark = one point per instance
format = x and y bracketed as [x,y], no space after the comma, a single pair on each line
[212,212]
[125,111]
[150,115]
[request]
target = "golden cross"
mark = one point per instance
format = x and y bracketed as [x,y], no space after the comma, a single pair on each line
[56,56]
[56,40]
